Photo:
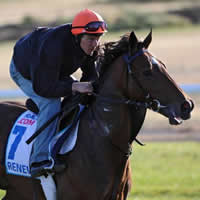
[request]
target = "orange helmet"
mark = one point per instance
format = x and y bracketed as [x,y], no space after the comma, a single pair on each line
[87,21]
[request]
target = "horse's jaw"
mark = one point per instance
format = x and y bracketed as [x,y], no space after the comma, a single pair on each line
[170,114]
[175,120]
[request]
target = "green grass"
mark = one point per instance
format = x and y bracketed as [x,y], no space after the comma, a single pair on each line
[1,193]
[165,171]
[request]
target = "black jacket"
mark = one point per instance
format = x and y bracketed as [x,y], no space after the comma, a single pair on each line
[48,56]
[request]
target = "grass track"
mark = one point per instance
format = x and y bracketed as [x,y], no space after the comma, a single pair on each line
[163,171]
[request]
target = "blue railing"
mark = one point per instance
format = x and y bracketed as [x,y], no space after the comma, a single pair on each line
[17,93]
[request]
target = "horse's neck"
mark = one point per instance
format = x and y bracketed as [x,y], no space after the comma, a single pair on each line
[112,119]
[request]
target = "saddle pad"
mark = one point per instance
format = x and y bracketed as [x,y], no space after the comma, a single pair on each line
[68,144]
[17,151]
[64,141]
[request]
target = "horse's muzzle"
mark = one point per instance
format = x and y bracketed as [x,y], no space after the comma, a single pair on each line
[186,109]
[178,112]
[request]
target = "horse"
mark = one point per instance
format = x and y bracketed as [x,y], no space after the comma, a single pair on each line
[131,80]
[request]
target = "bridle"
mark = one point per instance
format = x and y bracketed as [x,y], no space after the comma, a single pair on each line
[149,102]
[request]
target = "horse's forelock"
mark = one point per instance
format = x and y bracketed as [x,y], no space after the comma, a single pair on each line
[109,51]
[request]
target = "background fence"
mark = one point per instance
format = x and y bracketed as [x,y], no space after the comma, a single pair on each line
[17,93]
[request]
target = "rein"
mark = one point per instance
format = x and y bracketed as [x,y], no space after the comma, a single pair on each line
[126,101]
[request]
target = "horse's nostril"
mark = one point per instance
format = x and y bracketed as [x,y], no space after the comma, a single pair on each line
[187,106]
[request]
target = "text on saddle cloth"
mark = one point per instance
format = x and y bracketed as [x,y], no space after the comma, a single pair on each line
[18,151]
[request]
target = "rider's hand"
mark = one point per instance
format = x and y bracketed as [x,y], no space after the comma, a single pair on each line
[82,87]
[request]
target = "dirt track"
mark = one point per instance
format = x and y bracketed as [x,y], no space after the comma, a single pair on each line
[180,52]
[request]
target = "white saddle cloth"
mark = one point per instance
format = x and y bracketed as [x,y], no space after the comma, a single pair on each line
[18,152]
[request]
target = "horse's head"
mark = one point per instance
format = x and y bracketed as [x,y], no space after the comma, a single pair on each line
[148,81]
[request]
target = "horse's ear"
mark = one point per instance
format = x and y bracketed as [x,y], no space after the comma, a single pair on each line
[133,41]
[147,40]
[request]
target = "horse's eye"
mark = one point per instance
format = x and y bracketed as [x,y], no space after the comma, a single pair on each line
[147,73]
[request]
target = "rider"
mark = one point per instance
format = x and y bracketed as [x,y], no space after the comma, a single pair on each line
[42,64]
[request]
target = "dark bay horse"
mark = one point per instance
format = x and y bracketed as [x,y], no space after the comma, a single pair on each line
[131,80]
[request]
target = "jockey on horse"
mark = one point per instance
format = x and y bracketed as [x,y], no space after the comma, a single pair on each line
[41,66]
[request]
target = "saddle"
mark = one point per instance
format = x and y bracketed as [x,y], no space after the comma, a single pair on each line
[69,109]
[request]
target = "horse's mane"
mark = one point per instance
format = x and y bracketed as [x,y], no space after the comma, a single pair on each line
[109,51]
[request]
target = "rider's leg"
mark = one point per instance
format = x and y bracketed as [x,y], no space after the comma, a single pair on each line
[48,108]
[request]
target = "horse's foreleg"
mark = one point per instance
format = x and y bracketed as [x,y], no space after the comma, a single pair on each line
[128,184]
[126,190]
[125,186]
[38,192]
